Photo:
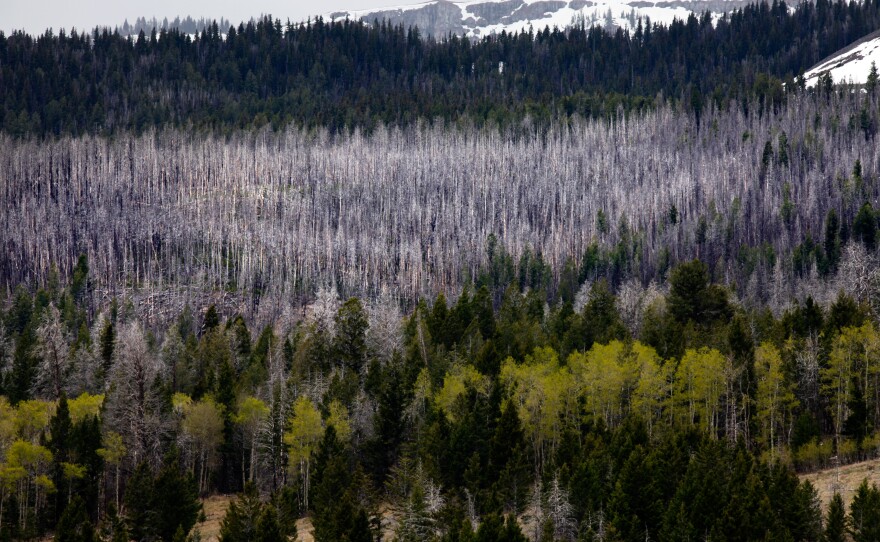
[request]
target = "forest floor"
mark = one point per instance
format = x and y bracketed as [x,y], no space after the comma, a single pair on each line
[215,510]
[845,480]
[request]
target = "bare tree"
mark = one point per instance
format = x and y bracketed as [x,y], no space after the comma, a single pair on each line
[560,511]
[53,352]
[134,403]
[385,334]
[268,217]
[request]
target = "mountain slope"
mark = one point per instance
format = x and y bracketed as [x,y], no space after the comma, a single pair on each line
[851,64]
[482,17]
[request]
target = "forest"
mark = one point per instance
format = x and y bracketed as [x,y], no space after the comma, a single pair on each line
[260,220]
[667,412]
[363,285]
[345,75]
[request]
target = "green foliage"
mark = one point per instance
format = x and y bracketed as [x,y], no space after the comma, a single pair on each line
[75,524]
[337,513]
[864,513]
[241,519]
[156,507]
[835,521]
[558,416]
[865,226]
[351,327]
[139,495]
[693,298]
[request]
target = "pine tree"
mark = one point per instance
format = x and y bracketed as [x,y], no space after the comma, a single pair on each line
[835,521]
[139,495]
[212,319]
[107,345]
[491,529]
[240,522]
[175,501]
[351,328]
[864,513]
[692,297]
[60,428]
[331,509]
[360,530]
[865,227]
[75,525]
[832,242]
[871,84]
[268,527]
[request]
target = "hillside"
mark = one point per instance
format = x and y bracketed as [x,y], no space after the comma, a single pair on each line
[844,480]
[852,64]
[484,17]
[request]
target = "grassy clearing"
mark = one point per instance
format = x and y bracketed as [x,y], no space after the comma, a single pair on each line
[844,480]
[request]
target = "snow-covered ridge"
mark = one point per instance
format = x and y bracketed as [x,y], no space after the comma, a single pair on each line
[851,64]
[483,17]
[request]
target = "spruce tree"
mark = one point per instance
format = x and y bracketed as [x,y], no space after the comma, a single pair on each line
[139,503]
[865,227]
[268,527]
[240,522]
[107,345]
[351,328]
[175,499]
[835,521]
[75,525]
[864,513]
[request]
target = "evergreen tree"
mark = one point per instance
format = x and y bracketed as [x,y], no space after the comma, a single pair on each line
[139,496]
[212,319]
[871,84]
[865,226]
[835,522]
[175,502]
[240,522]
[107,345]
[351,328]
[75,525]
[60,428]
[864,513]
[268,527]
[832,242]
[693,298]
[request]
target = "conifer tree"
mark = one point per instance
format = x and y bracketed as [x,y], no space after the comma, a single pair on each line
[242,517]
[75,525]
[864,513]
[835,521]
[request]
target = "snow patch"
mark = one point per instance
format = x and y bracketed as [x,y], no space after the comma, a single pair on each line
[852,65]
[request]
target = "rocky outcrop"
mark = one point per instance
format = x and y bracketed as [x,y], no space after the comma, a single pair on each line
[439,18]
[474,18]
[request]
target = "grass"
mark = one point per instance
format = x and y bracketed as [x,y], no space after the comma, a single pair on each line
[844,480]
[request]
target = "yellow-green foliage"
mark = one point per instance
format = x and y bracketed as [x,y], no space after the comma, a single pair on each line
[854,357]
[544,395]
[32,418]
[203,423]
[84,406]
[604,377]
[305,431]
[652,387]
[775,399]
[457,381]
[700,382]
[251,412]
[339,420]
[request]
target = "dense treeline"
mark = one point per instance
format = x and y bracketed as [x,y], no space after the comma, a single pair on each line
[767,201]
[670,413]
[349,74]
[187,25]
